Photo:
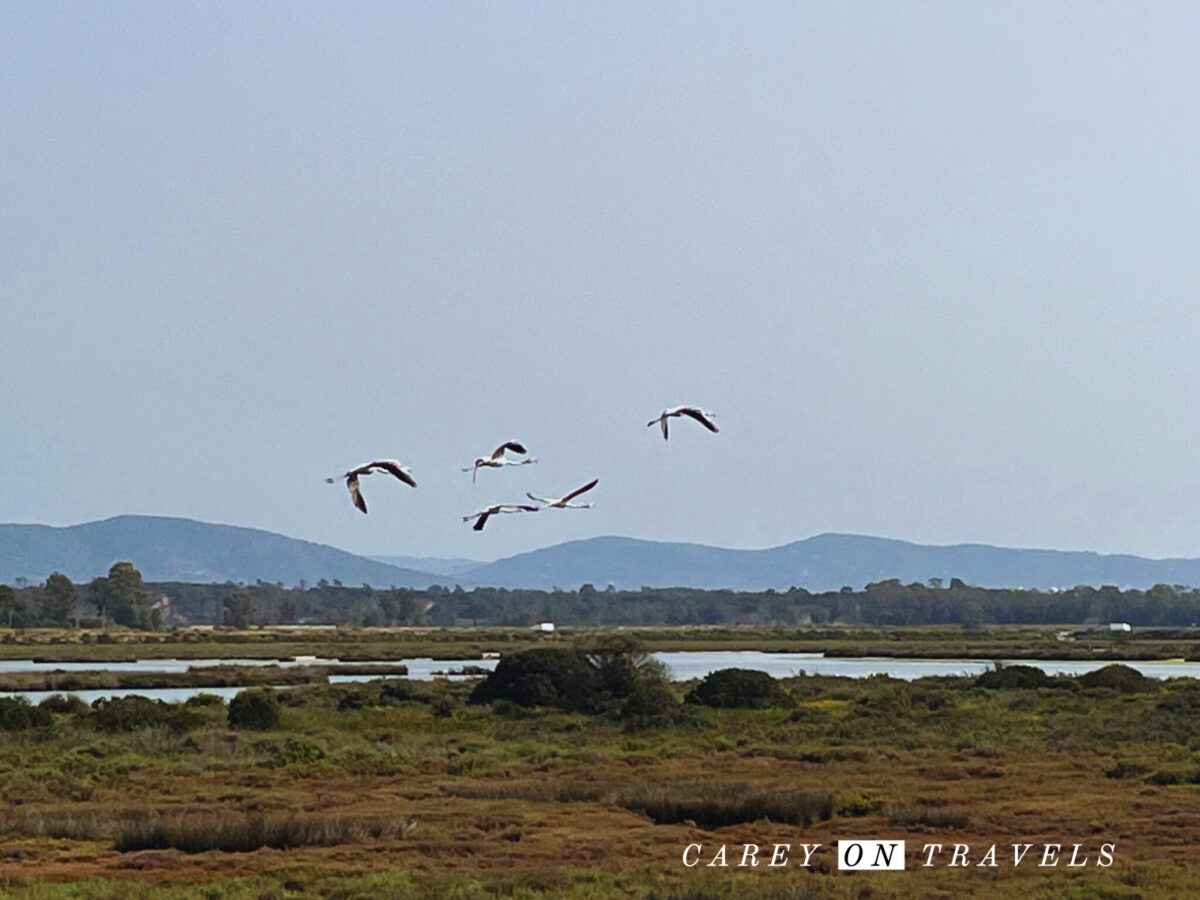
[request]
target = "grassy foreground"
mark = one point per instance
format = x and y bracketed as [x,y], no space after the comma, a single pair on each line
[397,789]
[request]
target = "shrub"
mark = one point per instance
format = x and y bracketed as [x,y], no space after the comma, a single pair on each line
[737,689]
[1182,699]
[355,699]
[1017,677]
[294,753]
[652,704]
[544,676]
[254,710]
[401,690]
[613,676]
[16,714]
[1119,678]
[63,703]
[202,700]
[116,714]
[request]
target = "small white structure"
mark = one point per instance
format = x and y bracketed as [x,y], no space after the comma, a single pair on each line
[1119,626]
[547,627]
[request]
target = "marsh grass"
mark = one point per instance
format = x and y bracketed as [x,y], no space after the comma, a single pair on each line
[244,834]
[199,833]
[717,805]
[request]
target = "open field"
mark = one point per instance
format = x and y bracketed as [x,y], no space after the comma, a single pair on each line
[348,644]
[398,789]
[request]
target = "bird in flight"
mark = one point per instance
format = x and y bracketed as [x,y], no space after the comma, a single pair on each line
[704,418]
[564,502]
[498,459]
[482,516]
[391,466]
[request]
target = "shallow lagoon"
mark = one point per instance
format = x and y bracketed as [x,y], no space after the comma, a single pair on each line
[683,665]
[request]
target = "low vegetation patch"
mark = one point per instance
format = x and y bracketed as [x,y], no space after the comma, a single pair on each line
[930,817]
[718,805]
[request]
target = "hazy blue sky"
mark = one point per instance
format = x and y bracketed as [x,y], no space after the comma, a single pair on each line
[935,266]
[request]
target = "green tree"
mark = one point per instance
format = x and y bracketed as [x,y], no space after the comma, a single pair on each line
[121,597]
[9,608]
[238,609]
[57,600]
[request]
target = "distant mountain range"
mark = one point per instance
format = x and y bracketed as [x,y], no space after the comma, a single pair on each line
[826,562]
[170,549]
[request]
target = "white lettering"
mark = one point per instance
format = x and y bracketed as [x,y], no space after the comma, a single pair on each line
[696,859]
[809,850]
[929,850]
[989,858]
[1106,853]
[960,852]
[749,852]
[871,855]
[1050,855]
[779,856]
[1019,851]
[1074,853]
[719,859]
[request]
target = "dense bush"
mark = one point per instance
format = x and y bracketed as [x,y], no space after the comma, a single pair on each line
[63,703]
[545,676]
[613,676]
[118,714]
[254,710]
[1119,678]
[16,714]
[737,689]
[1015,677]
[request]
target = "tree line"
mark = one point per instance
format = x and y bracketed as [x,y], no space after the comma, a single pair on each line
[123,598]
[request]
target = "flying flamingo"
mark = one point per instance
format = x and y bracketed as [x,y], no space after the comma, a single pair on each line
[482,516]
[498,459]
[704,418]
[391,466]
[564,502]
